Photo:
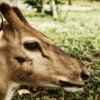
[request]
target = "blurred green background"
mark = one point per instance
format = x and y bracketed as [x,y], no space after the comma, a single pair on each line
[74,26]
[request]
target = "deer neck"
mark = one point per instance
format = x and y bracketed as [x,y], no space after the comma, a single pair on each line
[11,90]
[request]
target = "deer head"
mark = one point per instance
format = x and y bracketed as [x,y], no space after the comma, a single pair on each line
[27,57]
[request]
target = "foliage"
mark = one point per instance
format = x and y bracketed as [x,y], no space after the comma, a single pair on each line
[35,3]
[61,1]
[39,3]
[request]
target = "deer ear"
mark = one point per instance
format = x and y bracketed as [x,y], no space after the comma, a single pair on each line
[10,16]
[19,14]
[1,22]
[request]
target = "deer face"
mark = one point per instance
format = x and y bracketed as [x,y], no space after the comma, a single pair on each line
[32,59]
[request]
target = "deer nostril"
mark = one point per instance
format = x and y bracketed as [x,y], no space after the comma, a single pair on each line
[85,76]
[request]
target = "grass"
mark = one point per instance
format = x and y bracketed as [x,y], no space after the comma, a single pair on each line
[78,34]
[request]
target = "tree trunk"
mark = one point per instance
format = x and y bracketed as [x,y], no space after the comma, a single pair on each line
[54,9]
[70,2]
[40,7]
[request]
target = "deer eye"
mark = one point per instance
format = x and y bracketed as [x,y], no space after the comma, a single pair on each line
[33,46]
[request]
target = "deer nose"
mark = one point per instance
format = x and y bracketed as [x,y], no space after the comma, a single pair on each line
[85,76]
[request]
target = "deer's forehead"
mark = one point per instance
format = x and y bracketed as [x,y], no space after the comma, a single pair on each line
[25,33]
[35,36]
[7,29]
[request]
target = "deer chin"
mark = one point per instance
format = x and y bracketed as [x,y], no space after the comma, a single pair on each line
[70,87]
[73,89]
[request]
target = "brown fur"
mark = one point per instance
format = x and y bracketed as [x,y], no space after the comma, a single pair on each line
[47,65]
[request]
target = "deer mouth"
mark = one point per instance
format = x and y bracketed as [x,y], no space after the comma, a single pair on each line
[69,84]
[70,87]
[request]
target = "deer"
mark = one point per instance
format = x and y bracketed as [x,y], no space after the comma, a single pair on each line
[28,57]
